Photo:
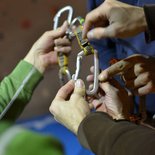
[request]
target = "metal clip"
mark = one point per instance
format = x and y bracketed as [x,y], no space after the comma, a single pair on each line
[62,58]
[87,49]
[96,71]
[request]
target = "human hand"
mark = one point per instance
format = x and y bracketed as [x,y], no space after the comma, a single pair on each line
[42,54]
[70,112]
[137,71]
[112,99]
[62,45]
[114,19]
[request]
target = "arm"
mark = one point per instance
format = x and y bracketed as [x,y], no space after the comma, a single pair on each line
[17,88]
[102,135]
[98,131]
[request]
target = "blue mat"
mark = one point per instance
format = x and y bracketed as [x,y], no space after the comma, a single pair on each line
[47,125]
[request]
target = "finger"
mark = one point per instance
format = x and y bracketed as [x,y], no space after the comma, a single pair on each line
[91,106]
[79,90]
[134,71]
[65,91]
[62,42]
[90,78]
[92,69]
[106,87]
[90,87]
[145,89]
[96,103]
[140,81]
[65,49]
[91,19]
[115,69]
[100,106]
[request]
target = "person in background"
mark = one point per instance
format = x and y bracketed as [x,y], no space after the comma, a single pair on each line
[16,90]
[115,21]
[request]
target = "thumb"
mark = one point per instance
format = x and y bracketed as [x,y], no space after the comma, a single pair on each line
[79,90]
[117,68]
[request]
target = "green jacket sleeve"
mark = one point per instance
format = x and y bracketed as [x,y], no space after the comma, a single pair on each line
[104,136]
[16,89]
[15,140]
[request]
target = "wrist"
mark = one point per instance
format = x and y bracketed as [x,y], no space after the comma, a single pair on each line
[77,124]
[34,60]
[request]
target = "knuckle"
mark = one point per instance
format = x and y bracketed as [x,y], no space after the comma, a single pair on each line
[139,69]
[88,17]
[121,65]
[46,33]
[53,108]
[147,76]
[151,85]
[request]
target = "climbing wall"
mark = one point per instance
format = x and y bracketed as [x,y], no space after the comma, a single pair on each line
[21,24]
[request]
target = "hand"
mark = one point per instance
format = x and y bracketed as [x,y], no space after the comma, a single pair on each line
[112,99]
[114,19]
[62,45]
[42,54]
[137,72]
[70,112]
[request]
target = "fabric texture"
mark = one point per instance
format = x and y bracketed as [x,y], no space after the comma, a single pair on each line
[104,136]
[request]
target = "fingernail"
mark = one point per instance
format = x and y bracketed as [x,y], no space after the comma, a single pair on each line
[101,77]
[79,83]
[90,35]
[55,48]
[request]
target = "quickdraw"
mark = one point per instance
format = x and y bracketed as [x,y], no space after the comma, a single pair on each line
[62,58]
[85,46]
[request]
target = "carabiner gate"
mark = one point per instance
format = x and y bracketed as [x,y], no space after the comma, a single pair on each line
[62,58]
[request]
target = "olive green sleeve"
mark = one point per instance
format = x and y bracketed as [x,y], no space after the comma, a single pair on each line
[16,89]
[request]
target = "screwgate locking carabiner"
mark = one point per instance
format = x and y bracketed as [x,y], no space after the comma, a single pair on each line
[62,58]
[87,49]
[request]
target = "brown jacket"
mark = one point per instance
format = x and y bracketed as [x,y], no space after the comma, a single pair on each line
[104,136]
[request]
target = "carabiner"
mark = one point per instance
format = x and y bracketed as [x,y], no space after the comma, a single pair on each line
[96,71]
[62,58]
[87,49]
[59,13]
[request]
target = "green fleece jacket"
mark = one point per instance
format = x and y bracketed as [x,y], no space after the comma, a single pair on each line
[15,92]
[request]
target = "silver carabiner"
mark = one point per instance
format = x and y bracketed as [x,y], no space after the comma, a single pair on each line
[62,58]
[58,15]
[96,71]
